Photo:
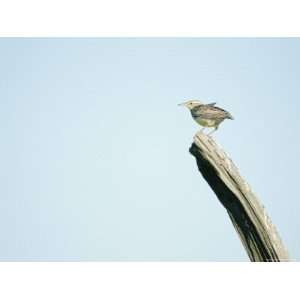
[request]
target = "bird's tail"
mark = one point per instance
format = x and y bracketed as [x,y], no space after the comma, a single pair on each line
[229,116]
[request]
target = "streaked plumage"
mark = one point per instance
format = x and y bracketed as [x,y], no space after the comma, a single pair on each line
[207,115]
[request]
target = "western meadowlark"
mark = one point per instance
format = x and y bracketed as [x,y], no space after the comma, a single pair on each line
[207,115]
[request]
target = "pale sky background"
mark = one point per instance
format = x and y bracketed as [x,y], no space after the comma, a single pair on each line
[94,152]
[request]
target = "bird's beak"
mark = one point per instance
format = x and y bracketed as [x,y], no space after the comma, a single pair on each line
[181,104]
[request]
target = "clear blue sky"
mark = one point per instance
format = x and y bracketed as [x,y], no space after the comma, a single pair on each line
[94,152]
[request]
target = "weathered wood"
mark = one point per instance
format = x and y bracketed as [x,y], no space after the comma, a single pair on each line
[255,229]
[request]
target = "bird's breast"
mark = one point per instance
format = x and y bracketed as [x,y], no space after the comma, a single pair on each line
[205,122]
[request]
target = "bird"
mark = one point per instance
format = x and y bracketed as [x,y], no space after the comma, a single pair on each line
[207,115]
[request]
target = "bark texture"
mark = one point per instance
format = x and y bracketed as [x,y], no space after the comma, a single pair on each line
[255,229]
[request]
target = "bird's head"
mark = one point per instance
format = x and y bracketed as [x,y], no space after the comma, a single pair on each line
[191,104]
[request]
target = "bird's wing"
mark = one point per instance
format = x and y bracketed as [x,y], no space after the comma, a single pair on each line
[210,112]
[212,104]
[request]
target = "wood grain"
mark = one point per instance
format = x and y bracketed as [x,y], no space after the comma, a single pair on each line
[255,229]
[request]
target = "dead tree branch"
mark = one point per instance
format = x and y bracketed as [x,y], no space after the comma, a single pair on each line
[255,229]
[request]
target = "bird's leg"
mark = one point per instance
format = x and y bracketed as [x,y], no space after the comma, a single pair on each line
[215,129]
[201,130]
[210,133]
